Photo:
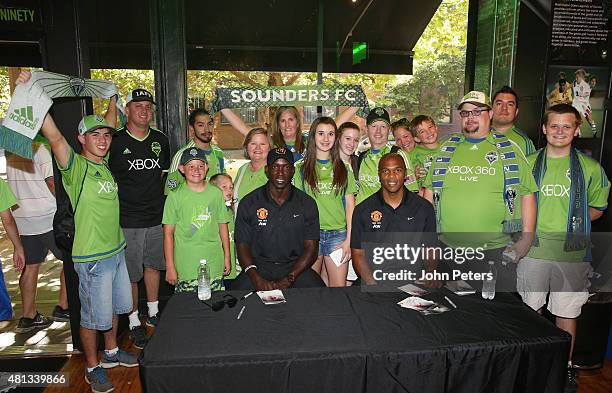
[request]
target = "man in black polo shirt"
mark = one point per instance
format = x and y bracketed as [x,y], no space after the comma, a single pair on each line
[277,231]
[391,209]
[138,158]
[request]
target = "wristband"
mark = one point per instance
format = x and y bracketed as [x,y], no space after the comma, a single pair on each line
[246,269]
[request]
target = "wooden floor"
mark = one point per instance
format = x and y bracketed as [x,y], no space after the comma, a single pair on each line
[126,380]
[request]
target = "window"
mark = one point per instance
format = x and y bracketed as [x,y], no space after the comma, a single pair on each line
[248,115]
[310,113]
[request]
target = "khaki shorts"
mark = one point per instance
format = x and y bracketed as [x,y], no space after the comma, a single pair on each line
[565,283]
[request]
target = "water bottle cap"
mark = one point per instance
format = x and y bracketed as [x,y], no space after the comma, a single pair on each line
[491,262]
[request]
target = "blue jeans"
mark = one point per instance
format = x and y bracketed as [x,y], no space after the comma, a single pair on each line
[330,240]
[104,290]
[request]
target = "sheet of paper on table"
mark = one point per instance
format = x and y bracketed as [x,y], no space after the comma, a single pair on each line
[274,296]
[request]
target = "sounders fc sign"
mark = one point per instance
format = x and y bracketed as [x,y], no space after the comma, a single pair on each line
[323,95]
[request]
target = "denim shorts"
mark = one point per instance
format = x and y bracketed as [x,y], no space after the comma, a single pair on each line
[104,290]
[330,240]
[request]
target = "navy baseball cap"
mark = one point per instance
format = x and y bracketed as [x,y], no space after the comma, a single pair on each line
[193,153]
[278,153]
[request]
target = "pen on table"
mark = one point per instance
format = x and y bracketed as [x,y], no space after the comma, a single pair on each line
[450,302]
[247,295]
[241,311]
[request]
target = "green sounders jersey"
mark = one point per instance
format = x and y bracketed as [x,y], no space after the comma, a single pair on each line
[369,182]
[247,181]
[521,139]
[196,217]
[472,197]
[423,157]
[331,205]
[7,199]
[214,158]
[97,232]
[554,200]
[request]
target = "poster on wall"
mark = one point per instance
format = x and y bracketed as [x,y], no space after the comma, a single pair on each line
[578,71]
[585,88]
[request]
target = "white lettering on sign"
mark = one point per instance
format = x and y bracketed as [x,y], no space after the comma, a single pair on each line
[286,96]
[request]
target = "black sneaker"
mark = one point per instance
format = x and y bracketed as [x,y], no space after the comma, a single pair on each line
[571,385]
[28,324]
[60,314]
[138,335]
[152,321]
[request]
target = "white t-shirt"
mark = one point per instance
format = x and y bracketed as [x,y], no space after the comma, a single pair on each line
[26,178]
[582,92]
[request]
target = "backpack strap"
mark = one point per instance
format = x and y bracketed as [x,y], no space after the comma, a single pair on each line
[80,190]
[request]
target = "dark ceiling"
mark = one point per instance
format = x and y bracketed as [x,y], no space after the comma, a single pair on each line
[269,35]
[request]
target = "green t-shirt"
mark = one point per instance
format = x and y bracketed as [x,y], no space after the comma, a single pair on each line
[521,139]
[196,217]
[214,157]
[97,232]
[7,199]
[472,197]
[332,213]
[369,182]
[423,157]
[553,204]
[247,181]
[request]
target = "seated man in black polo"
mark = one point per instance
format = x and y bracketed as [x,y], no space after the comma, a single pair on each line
[391,209]
[277,231]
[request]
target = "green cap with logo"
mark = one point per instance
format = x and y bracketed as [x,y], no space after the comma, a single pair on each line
[477,98]
[93,122]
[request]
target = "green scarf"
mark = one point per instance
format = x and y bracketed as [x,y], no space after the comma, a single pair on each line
[316,95]
[578,220]
[512,219]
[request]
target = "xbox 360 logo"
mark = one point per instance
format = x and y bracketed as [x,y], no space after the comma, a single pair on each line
[25,117]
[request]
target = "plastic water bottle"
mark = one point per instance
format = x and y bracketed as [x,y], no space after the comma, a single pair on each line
[203,281]
[488,286]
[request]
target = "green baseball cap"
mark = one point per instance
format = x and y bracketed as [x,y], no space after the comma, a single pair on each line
[93,122]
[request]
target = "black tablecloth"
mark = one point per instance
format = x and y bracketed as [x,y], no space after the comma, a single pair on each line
[345,340]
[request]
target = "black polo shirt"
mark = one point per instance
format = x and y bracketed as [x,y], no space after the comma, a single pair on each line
[276,233]
[374,215]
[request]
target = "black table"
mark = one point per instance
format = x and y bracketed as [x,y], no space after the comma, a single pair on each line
[345,340]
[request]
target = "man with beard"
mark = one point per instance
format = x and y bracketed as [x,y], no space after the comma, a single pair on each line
[201,126]
[505,111]
[483,191]
[138,158]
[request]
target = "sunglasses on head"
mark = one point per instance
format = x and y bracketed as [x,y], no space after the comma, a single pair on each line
[220,303]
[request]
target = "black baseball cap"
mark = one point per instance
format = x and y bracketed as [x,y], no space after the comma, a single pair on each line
[278,153]
[377,114]
[140,95]
[193,153]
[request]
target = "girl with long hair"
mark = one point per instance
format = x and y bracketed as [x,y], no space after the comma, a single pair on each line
[330,182]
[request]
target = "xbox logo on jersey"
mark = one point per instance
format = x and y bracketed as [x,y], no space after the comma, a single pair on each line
[140,164]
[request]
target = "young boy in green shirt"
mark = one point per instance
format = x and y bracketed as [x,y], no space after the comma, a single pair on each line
[425,133]
[195,227]
[225,184]
[573,191]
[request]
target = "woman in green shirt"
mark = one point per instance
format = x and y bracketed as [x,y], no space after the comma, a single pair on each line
[251,175]
[329,181]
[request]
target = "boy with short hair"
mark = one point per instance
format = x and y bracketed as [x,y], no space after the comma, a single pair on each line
[224,182]
[195,227]
[572,191]
[425,133]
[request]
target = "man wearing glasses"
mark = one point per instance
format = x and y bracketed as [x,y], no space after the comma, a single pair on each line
[482,189]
